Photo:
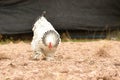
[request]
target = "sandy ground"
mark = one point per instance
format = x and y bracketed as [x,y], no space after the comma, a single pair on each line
[97,60]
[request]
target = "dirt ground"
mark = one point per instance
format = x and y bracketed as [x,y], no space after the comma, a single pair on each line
[96,60]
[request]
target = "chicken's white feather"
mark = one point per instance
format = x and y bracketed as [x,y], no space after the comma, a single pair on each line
[41,27]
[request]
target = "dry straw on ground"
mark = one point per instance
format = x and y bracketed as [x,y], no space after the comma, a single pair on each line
[103,49]
[96,60]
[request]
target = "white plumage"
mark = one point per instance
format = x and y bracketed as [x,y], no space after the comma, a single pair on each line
[45,39]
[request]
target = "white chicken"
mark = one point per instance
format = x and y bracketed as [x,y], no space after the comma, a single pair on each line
[45,39]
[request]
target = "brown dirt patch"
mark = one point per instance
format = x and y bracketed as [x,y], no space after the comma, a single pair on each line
[97,60]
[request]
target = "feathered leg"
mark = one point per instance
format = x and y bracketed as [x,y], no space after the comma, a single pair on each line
[50,57]
[38,55]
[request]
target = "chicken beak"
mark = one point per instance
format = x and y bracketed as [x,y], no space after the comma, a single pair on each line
[50,45]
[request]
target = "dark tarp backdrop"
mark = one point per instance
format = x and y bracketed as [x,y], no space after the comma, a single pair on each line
[18,16]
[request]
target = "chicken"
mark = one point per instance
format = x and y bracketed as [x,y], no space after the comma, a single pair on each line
[45,39]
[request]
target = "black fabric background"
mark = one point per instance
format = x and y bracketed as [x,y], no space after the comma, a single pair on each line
[18,16]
